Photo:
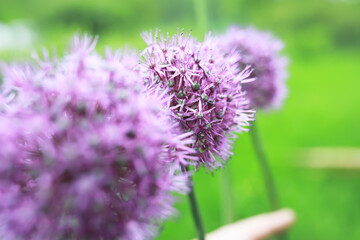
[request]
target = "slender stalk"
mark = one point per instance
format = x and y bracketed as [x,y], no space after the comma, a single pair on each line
[265,168]
[201,15]
[196,214]
[266,172]
[201,19]
[226,196]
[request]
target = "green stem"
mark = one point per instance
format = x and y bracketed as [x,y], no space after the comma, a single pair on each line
[201,15]
[196,214]
[266,172]
[201,19]
[226,196]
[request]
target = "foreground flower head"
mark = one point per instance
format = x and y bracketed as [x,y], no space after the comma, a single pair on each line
[261,50]
[84,150]
[202,91]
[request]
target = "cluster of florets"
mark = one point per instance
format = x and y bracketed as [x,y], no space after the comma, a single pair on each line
[261,50]
[202,90]
[84,150]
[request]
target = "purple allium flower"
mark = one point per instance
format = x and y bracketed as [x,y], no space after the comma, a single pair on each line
[202,91]
[261,50]
[84,150]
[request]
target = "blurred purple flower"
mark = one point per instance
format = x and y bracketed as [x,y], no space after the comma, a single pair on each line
[261,50]
[202,91]
[84,150]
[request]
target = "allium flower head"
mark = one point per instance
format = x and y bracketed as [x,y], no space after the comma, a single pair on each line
[261,50]
[202,91]
[84,150]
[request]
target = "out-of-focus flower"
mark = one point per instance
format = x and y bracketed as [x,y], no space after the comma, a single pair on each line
[84,150]
[202,90]
[261,50]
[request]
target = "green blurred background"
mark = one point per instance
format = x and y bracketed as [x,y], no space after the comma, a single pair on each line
[322,40]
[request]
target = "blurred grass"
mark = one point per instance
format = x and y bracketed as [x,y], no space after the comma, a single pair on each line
[323,43]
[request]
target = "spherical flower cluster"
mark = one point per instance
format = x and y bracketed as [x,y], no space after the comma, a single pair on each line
[202,91]
[261,50]
[84,150]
